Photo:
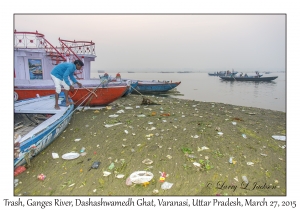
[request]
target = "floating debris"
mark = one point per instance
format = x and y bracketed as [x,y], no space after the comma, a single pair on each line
[250,163]
[77,139]
[233,123]
[244,136]
[126,131]
[128,108]
[120,111]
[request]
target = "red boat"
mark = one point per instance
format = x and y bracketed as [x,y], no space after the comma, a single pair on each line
[35,57]
[91,96]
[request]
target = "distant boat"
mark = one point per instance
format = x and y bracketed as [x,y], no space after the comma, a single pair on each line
[167,72]
[131,72]
[221,73]
[184,72]
[145,86]
[249,78]
[36,125]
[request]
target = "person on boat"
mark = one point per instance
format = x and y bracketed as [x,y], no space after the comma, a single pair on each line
[246,75]
[60,74]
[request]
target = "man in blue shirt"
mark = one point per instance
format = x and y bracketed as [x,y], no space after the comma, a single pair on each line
[60,74]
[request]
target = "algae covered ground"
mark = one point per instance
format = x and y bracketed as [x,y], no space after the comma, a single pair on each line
[204,148]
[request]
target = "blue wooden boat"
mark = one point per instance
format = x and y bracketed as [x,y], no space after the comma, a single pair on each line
[154,86]
[133,86]
[37,124]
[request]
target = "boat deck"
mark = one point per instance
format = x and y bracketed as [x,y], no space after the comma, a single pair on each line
[43,105]
[41,113]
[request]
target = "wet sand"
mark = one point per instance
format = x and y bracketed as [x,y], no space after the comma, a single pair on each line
[195,143]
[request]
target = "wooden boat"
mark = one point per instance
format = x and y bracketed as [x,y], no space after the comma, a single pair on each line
[37,124]
[48,56]
[221,73]
[102,94]
[154,86]
[249,78]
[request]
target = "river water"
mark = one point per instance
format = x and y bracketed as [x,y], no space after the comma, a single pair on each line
[202,87]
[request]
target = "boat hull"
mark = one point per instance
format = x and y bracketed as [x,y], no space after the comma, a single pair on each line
[35,144]
[145,87]
[101,96]
[248,78]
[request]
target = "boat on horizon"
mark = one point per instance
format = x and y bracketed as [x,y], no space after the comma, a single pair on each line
[246,77]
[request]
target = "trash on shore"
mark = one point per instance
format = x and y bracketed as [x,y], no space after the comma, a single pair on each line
[111,166]
[41,177]
[106,173]
[70,156]
[95,165]
[140,177]
[120,176]
[77,139]
[55,155]
[166,185]
[280,138]
[110,125]
[202,148]
[19,170]
[113,115]
[147,161]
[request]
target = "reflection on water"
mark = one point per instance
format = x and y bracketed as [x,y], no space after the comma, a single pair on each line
[202,87]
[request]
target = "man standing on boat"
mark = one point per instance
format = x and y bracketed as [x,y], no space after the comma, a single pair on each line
[60,74]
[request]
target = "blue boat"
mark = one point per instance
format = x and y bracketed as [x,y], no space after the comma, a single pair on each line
[133,86]
[154,86]
[37,124]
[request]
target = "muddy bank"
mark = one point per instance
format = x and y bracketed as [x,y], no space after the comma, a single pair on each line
[204,149]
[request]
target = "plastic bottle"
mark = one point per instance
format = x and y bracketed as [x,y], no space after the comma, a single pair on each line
[244,178]
[82,149]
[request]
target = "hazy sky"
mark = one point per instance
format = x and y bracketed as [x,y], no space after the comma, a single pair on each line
[166,42]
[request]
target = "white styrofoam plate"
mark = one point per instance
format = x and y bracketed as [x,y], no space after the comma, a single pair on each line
[70,156]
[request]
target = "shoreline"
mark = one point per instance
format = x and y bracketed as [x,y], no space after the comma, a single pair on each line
[196,144]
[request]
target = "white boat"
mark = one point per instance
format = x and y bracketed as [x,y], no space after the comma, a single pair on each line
[37,124]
